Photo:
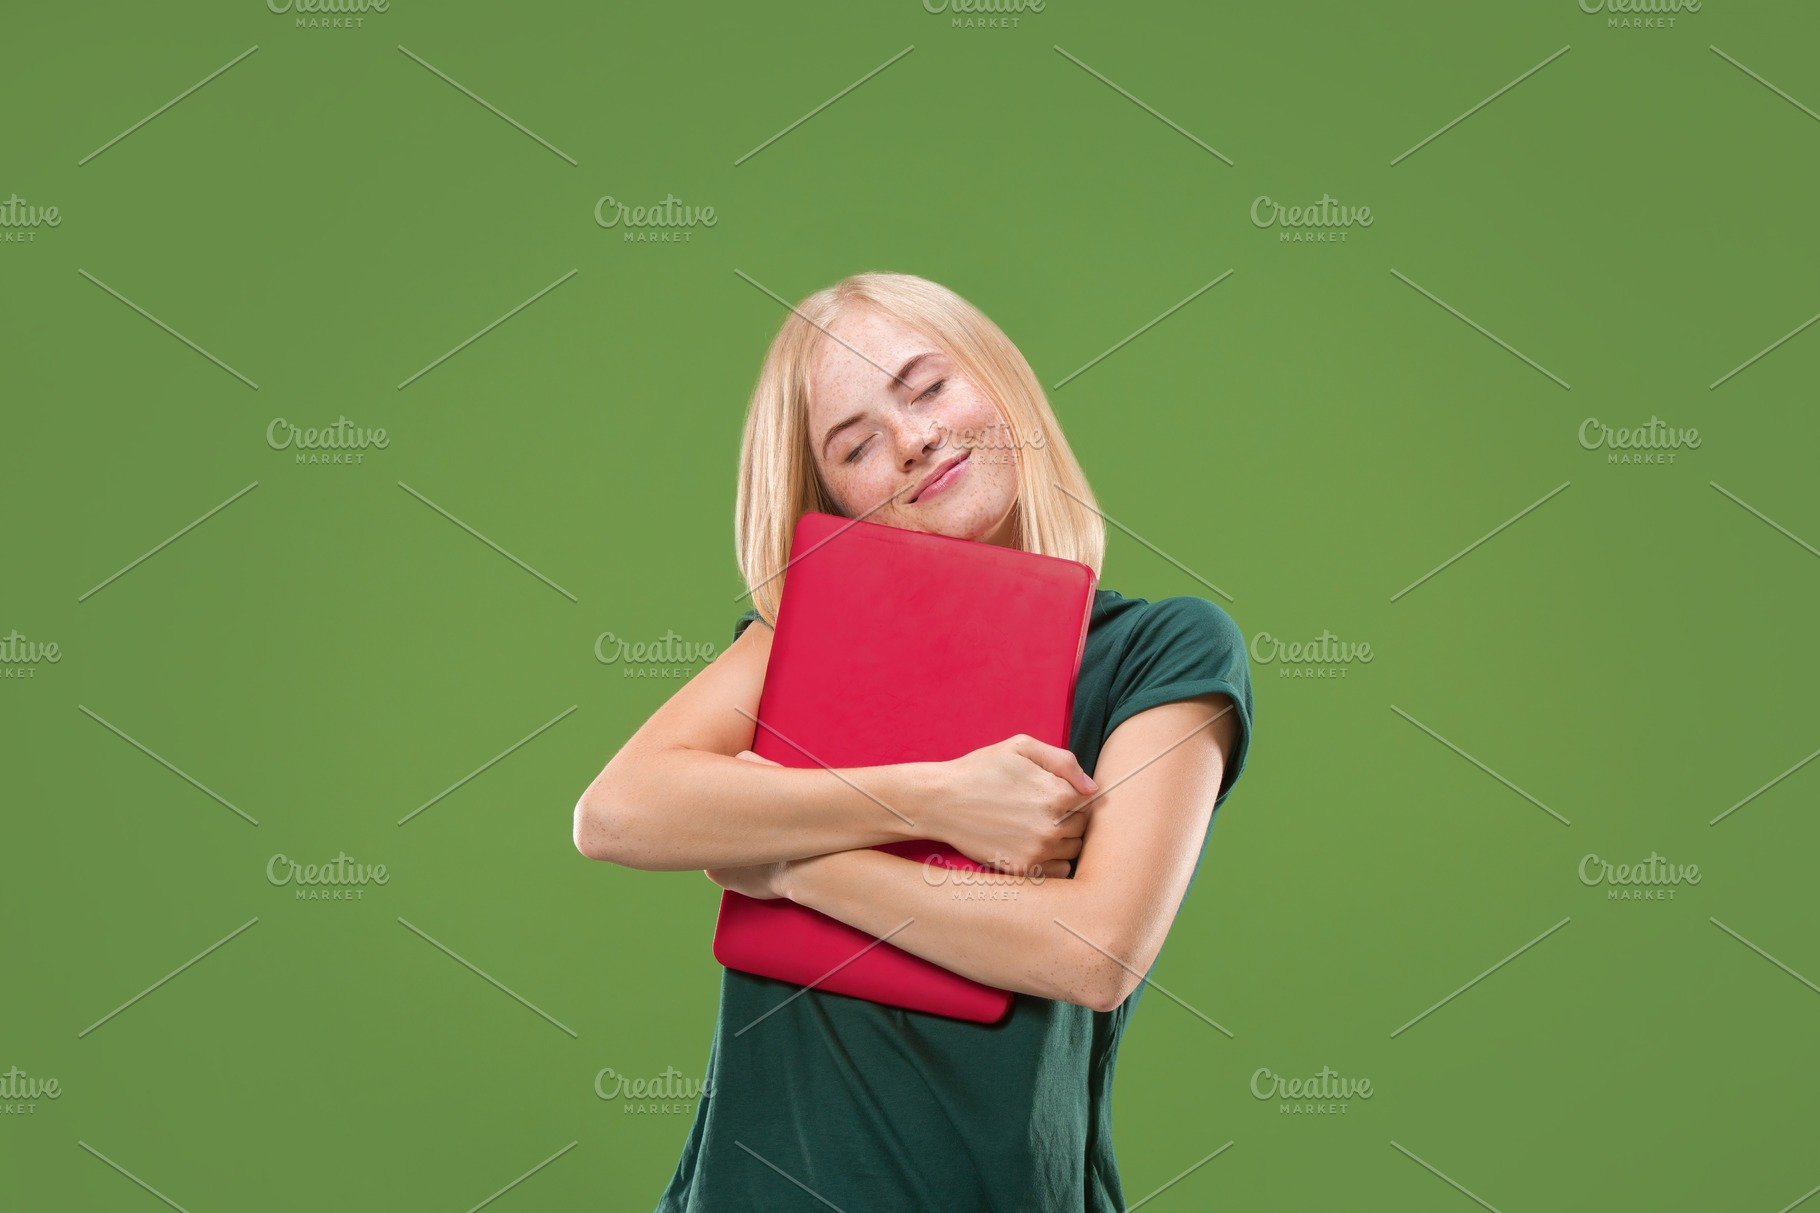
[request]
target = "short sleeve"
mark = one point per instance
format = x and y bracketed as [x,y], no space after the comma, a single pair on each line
[1181,648]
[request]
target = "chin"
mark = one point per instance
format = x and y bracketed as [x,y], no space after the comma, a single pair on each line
[970,520]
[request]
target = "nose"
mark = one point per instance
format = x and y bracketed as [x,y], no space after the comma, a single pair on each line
[917,439]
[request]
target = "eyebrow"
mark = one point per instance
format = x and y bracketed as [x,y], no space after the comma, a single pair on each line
[903,374]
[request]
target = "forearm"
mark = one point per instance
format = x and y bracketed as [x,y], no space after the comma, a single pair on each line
[991,927]
[678,809]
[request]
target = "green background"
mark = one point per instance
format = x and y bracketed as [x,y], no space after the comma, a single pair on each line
[1311,435]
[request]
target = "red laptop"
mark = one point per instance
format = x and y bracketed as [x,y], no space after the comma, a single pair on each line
[899,646]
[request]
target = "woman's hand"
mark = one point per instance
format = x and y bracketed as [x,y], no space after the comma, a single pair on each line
[1016,805]
[763,881]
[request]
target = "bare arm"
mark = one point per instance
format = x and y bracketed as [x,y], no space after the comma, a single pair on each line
[676,797]
[1088,940]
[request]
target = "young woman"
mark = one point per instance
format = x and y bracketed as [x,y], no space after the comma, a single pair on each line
[891,398]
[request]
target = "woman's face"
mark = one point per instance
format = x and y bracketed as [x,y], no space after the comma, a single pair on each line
[930,456]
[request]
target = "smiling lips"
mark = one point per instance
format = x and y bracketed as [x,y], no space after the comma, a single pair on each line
[941,478]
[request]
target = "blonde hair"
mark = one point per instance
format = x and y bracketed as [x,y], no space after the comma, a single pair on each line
[778,479]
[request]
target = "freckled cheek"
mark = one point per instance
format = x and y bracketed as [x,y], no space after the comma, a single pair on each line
[838,482]
[982,488]
[999,486]
[857,491]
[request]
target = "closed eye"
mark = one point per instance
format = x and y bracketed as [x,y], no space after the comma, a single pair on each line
[932,390]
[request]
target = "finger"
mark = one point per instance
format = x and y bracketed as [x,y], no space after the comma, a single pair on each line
[749,756]
[1057,868]
[1058,762]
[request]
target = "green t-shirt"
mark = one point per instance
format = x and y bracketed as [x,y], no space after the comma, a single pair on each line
[880,1109]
